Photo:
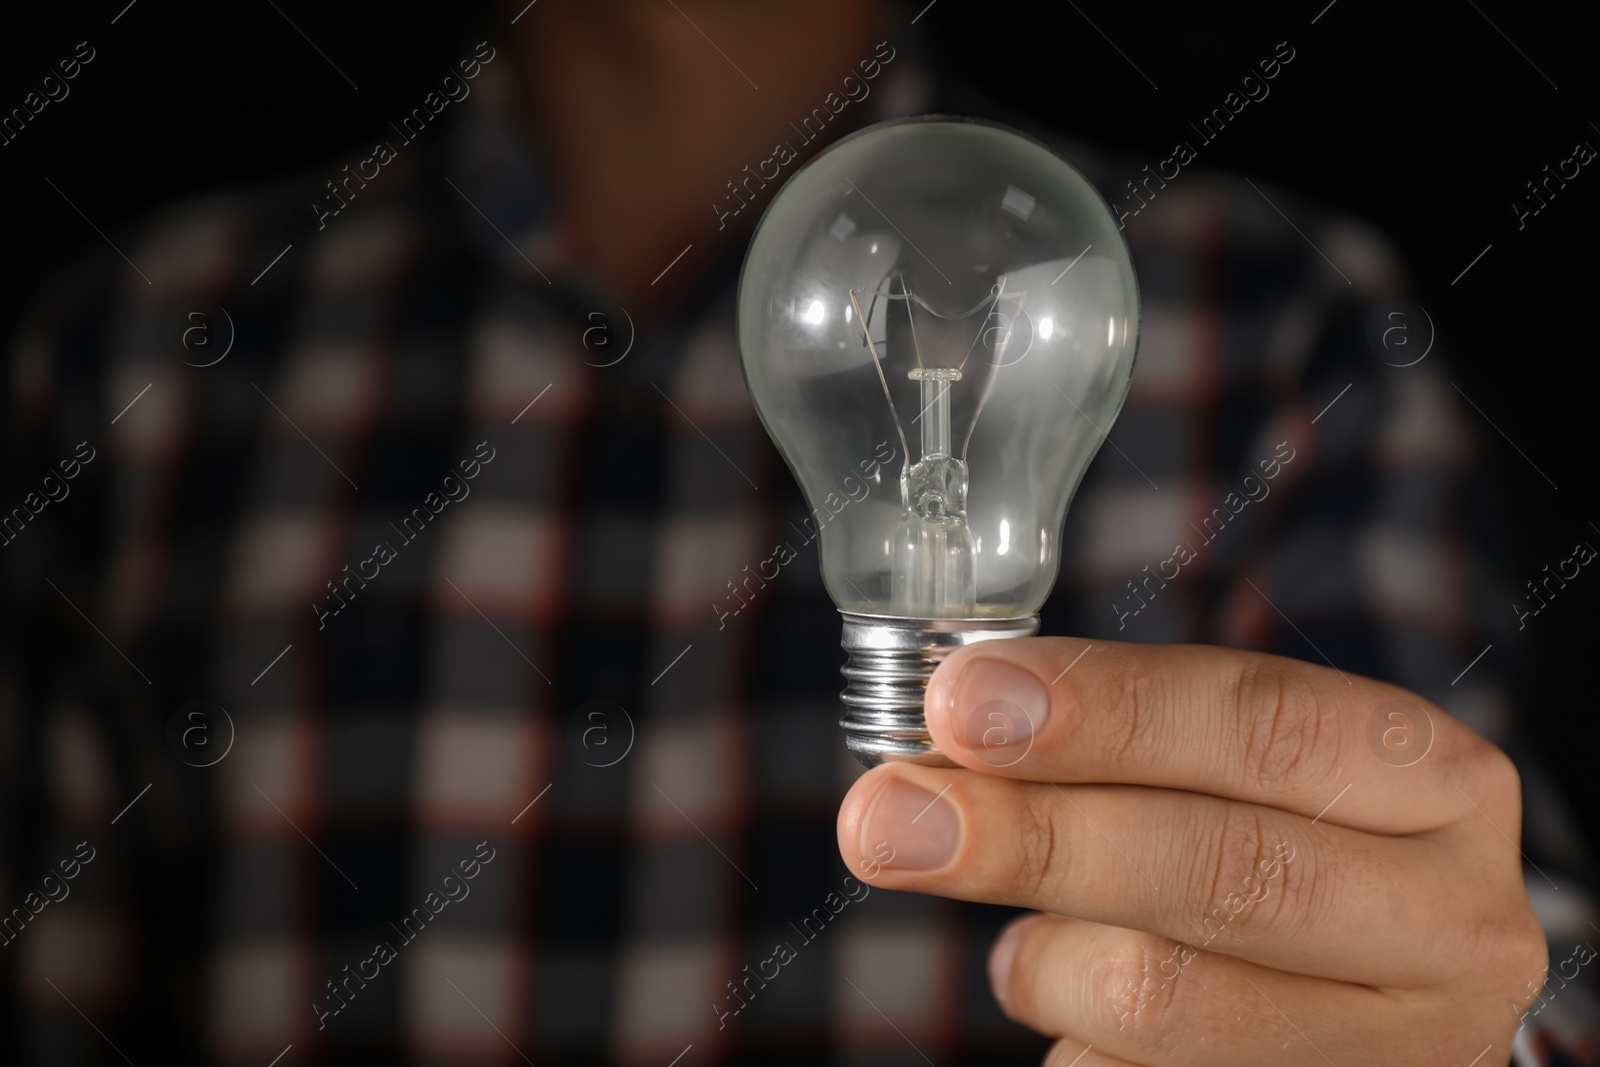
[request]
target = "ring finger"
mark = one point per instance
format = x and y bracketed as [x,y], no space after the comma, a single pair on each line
[1146,1000]
[1235,878]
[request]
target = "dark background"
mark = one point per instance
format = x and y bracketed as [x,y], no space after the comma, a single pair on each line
[1423,120]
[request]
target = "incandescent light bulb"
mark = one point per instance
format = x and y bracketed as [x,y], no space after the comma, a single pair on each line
[937,321]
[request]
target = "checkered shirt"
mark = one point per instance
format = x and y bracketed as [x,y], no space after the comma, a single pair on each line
[536,671]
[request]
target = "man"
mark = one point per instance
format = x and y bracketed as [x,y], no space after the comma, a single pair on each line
[444,530]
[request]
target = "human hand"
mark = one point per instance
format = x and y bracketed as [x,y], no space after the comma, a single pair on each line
[1237,858]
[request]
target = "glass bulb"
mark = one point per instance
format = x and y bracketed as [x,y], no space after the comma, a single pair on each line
[937,320]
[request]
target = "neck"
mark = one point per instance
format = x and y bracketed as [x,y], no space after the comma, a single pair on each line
[644,120]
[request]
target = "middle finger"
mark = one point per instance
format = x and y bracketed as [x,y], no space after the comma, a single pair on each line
[1232,878]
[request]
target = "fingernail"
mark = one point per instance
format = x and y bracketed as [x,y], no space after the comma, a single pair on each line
[936,699]
[1003,952]
[998,708]
[923,829]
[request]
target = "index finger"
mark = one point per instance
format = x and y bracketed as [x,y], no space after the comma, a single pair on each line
[1241,725]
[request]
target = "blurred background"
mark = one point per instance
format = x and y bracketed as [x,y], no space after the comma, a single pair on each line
[1423,120]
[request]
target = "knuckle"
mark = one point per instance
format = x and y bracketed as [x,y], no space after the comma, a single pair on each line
[1526,949]
[1495,780]
[1248,888]
[1288,729]
[1039,845]
[1305,889]
[1133,732]
[1508,941]
[1516,965]
[1132,990]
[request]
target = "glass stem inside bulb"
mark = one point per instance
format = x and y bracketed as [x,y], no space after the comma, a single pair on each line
[935,416]
[933,551]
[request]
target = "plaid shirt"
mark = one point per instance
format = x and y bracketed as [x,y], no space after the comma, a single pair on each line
[559,527]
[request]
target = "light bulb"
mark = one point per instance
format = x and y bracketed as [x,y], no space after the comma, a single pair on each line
[937,322]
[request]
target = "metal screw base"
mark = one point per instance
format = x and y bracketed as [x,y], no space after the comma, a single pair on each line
[886,674]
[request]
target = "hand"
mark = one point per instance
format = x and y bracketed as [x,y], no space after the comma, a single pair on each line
[1237,859]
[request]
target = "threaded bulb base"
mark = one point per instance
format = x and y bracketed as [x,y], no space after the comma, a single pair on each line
[889,661]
